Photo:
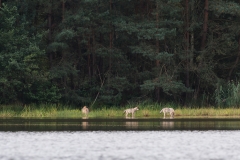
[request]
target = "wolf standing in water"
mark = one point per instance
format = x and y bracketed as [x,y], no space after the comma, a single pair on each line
[131,110]
[85,110]
[168,110]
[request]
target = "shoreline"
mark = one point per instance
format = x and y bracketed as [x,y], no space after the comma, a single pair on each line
[145,112]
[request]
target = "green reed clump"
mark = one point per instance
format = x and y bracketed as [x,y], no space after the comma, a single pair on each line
[106,112]
[194,112]
[45,110]
[146,113]
[207,112]
[8,111]
[73,113]
[5,112]
[33,111]
[146,110]
[227,95]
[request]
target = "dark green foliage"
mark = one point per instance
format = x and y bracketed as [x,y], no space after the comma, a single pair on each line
[20,55]
[40,92]
[113,52]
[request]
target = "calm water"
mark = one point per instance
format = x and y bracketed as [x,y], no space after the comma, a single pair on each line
[120,124]
[116,139]
[116,145]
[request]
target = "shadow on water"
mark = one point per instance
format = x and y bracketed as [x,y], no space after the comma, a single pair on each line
[126,123]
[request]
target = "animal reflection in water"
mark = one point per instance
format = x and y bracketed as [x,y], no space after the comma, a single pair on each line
[167,124]
[84,123]
[131,124]
[85,111]
[131,111]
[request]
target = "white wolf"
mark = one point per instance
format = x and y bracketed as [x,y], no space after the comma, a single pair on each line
[85,110]
[168,110]
[130,110]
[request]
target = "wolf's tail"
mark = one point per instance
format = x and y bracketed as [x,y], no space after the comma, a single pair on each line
[161,111]
[124,111]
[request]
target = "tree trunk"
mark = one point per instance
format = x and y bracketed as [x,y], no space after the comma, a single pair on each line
[204,38]
[195,94]
[89,58]
[93,54]
[187,41]
[63,9]
[110,45]
[205,26]
[192,34]
[78,63]
[72,81]
[50,32]
[237,60]
[157,89]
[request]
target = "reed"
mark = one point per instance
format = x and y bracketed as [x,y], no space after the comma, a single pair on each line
[146,110]
[212,112]
[7,111]
[227,95]
[106,112]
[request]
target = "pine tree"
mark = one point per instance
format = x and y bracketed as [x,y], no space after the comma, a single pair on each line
[20,56]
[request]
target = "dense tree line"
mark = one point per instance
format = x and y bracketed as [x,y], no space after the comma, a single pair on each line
[113,52]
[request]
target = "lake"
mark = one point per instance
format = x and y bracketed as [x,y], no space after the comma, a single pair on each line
[113,139]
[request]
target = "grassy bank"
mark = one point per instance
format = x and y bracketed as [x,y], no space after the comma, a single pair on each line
[146,111]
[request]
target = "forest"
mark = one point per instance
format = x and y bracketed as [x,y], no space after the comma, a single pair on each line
[116,52]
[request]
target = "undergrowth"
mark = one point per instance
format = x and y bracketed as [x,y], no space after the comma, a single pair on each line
[145,111]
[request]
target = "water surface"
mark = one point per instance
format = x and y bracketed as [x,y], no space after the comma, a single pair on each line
[120,139]
[120,145]
[118,124]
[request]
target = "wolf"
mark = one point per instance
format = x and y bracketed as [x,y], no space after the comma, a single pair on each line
[168,110]
[85,110]
[131,111]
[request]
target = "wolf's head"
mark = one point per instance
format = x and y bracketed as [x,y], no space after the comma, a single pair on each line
[136,108]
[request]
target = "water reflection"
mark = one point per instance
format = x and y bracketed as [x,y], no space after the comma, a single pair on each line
[131,124]
[167,125]
[84,123]
[128,123]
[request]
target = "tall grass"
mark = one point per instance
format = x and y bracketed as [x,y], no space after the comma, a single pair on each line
[146,110]
[208,112]
[40,111]
[8,111]
[228,95]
